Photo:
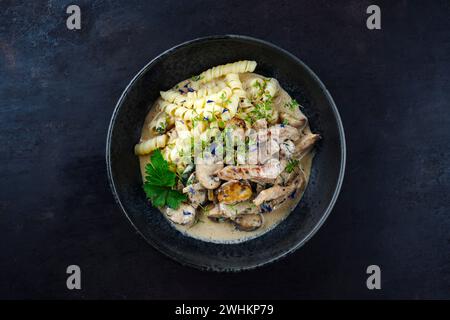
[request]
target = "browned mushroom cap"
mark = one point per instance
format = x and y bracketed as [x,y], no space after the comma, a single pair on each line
[234,191]
[206,174]
[249,222]
[237,122]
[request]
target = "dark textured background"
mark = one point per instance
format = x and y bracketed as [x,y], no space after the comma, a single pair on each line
[58,89]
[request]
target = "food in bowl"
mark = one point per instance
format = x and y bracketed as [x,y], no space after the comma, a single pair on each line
[226,155]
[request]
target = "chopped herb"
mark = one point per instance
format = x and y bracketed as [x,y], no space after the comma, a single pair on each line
[162,126]
[292,164]
[262,110]
[197,78]
[285,122]
[204,144]
[160,181]
[292,104]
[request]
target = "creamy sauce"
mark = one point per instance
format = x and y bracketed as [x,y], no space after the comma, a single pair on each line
[225,232]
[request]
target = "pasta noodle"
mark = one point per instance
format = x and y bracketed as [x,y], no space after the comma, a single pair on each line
[148,146]
[196,106]
[236,67]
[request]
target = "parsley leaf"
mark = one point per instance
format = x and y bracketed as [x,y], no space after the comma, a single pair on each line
[156,194]
[158,172]
[292,164]
[292,104]
[159,183]
[174,198]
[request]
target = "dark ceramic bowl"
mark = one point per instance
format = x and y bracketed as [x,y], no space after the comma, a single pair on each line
[182,62]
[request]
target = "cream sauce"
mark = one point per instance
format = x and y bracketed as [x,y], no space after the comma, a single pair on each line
[225,232]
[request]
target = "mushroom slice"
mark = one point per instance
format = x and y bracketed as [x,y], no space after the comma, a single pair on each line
[184,215]
[286,178]
[234,191]
[298,123]
[260,124]
[212,211]
[287,149]
[285,132]
[231,211]
[298,183]
[305,145]
[249,222]
[265,173]
[274,192]
[206,174]
[196,194]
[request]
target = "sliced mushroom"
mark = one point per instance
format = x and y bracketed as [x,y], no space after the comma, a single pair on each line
[268,147]
[299,182]
[195,191]
[285,178]
[184,215]
[234,191]
[229,211]
[196,194]
[206,173]
[260,124]
[265,173]
[249,222]
[298,123]
[212,211]
[285,132]
[303,146]
[287,149]
[272,193]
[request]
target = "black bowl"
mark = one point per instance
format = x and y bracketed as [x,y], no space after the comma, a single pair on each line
[182,62]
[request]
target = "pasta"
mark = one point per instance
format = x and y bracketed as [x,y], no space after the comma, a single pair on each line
[148,146]
[236,67]
[237,144]
[197,106]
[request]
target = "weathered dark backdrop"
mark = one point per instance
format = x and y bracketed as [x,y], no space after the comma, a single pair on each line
[58,89]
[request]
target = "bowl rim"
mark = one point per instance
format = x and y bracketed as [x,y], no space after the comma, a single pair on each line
[342,141]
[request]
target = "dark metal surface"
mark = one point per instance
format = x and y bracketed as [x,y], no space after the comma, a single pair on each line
[57,92]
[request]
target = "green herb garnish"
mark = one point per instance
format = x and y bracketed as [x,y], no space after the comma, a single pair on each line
[292,104]
[196,78]
[262,110]
[160,181]
[292,164]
